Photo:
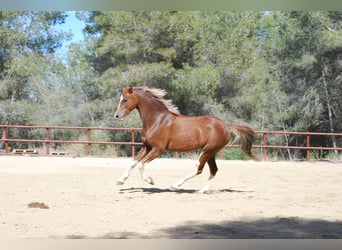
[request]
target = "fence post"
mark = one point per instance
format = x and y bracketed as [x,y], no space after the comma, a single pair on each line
[47,138]
[133,141]
[89,139]
[265,145]
[6,138]
[308,147]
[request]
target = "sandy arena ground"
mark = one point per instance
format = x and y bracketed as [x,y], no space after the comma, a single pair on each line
[248,200]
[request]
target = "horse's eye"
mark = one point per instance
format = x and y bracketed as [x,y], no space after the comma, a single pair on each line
[124,100]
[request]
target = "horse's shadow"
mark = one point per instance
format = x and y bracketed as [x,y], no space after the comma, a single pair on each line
[178,191]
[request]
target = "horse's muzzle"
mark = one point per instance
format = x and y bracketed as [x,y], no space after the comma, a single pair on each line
[119,116]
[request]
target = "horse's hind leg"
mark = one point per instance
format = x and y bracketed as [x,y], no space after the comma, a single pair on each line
[213,171]
[179,183]
[197,170]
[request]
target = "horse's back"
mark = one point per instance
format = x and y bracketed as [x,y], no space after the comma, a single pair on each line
[189,133]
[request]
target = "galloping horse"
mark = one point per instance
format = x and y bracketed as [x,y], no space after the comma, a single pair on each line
[164,128]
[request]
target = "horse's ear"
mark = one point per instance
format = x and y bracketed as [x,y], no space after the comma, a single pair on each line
[130,90]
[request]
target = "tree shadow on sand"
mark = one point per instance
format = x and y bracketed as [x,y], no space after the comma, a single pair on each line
[178,191]
[273,228]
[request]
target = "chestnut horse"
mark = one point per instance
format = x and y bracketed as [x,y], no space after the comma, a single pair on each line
[164,128]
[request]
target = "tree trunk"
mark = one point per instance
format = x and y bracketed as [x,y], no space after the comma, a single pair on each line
[325,84]
[2,143]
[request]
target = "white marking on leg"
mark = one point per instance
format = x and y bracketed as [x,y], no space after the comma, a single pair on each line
[144,177]
[126,174]
[179,183]
[207,185]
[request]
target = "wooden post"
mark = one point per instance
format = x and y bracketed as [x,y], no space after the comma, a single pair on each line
[47,138]
[133,141]
[89,139]
[265,146]
[221,154]
[6,138]
[308,147]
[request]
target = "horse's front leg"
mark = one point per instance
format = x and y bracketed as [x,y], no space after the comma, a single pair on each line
[154,153]
[126,174]
[143,151]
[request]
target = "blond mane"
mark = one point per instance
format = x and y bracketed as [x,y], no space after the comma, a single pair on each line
[159,94]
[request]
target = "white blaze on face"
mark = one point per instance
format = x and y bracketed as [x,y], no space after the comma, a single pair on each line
[116,113]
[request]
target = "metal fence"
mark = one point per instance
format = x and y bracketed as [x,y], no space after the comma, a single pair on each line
[262,143]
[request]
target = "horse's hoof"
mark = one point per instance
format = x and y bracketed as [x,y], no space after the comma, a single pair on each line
[120,182]
[150,180]
[174,188]
[204,191]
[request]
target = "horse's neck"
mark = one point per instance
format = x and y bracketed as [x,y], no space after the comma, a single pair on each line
[151,111]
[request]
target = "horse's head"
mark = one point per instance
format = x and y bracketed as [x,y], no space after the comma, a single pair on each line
[128,102]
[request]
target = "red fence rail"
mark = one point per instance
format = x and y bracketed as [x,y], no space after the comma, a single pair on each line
[307,147]
[89,142]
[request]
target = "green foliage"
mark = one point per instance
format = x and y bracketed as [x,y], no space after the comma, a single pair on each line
[271,70]
[193,88]
[233,154]
[319,155]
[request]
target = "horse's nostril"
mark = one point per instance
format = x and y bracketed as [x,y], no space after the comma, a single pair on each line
[117,116]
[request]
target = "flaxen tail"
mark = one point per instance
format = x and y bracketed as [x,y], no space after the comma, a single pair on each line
[246,136]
